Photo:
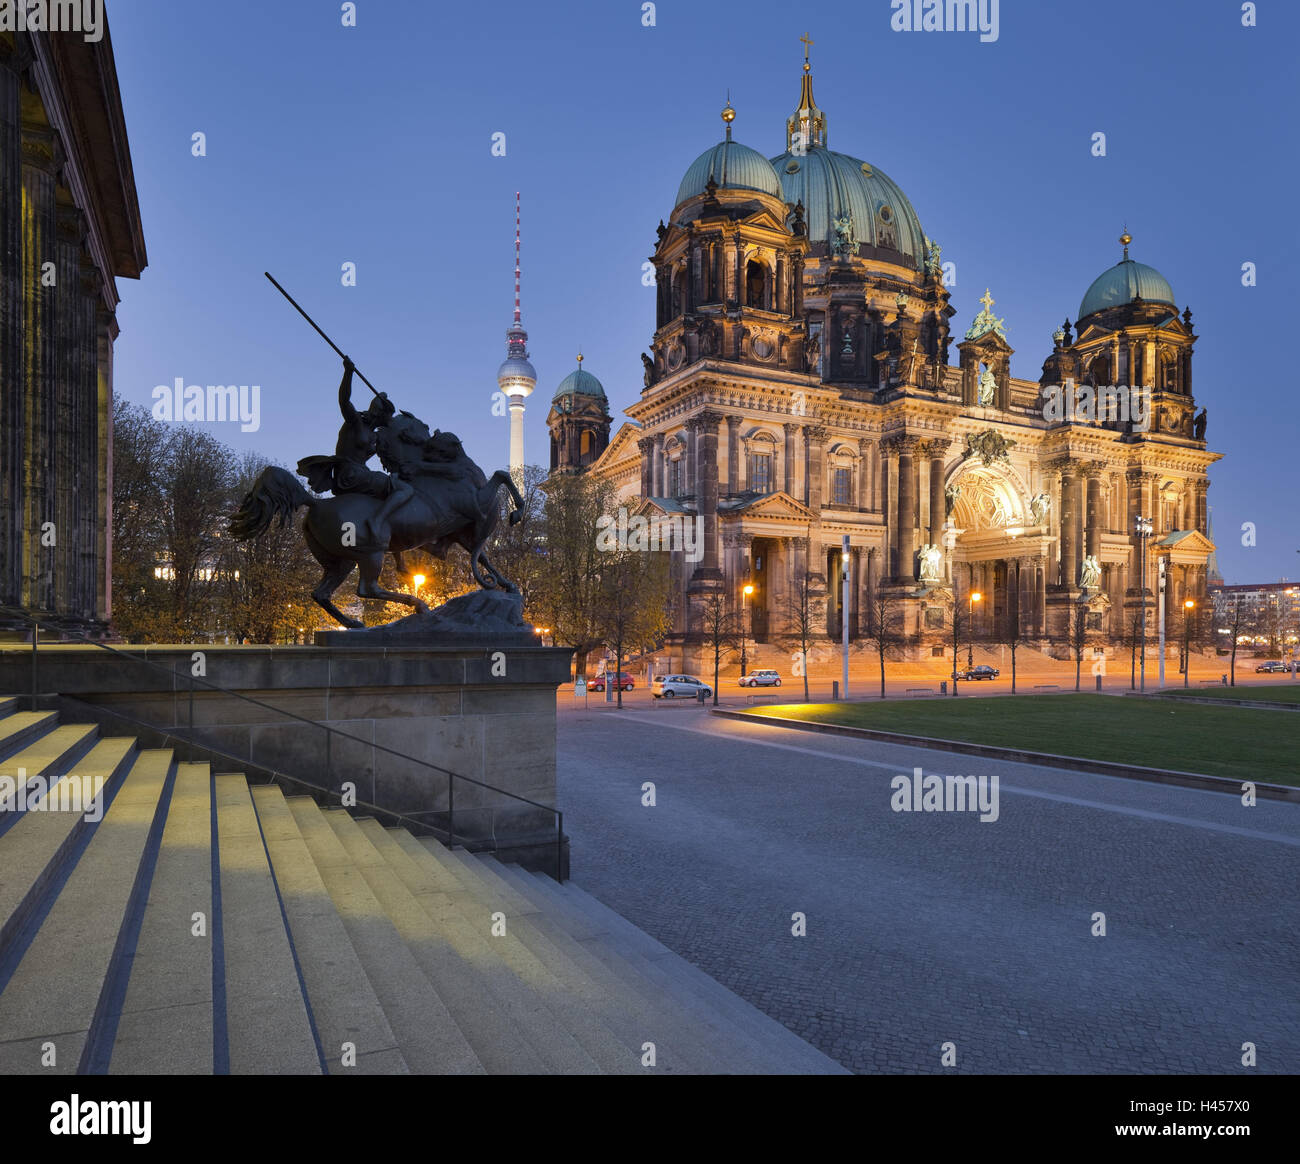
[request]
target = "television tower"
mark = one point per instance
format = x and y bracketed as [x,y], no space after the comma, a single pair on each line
[516,377]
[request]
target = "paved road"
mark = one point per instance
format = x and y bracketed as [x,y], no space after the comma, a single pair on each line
[925,928]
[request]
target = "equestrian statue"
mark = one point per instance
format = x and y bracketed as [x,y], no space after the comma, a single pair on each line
[430,494]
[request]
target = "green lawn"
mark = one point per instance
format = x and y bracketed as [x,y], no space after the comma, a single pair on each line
[1273,693]
[1236,742]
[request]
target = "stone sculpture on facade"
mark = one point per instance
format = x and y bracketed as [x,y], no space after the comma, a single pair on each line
[1039,507]
[1090,573]
[931,563]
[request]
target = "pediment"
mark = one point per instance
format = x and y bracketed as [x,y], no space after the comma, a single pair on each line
[779,506]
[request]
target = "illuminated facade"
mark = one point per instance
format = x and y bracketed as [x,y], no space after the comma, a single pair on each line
[799,388]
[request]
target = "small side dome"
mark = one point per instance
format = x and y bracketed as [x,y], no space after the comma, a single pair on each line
[580,383]
[732,166]
[1123,283]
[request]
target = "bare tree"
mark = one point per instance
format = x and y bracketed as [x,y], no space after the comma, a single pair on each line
[1012,628]
[569,592]
[719,626]
[635,608]
[882,628]
[1078,638]
[800,620]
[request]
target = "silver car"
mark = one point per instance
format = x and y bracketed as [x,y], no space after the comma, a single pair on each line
[761,679]
[671,686]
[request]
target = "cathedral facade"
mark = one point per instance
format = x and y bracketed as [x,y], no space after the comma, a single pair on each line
[800,388]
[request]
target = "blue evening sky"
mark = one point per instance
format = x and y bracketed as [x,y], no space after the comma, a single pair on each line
[372,145]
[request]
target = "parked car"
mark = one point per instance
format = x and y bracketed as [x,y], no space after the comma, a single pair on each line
[983,671]
[671,686]
[761,679]
[1272,667]
[625,682]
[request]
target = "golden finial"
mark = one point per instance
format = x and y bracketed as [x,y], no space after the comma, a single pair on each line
[579,359]
[1125,239]
[807,43]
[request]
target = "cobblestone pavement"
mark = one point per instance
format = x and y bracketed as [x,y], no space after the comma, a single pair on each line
[925,928]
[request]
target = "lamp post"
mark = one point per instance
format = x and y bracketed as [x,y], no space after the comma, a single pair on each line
[1188,607]
[745,591]
[1143,527]
[975,597]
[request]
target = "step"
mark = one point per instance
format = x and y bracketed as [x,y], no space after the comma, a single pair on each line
[8,704]
[652,1015]
[165,1023]
[504,1018]
[268,1025]
[18,727]
[38,762]
[54,992]
[674,1025]
[796,1055]
[343,1002]
[431,1041]
[734,1045]
[569,996]
[32,851]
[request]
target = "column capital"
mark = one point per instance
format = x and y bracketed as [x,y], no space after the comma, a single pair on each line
[1092,470]
[815,432]
[646,444]
[864,444]
[935,447]
[734,421]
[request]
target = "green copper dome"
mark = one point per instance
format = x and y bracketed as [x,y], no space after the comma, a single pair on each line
[1124,282]
[580,383]
[832,185]
[732,166]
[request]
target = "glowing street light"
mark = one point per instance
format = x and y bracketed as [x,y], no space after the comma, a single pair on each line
[975,597]
[1188,607]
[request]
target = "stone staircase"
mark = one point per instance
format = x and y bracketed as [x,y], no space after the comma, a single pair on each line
[204,925]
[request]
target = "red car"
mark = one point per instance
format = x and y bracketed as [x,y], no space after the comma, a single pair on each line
[624,682]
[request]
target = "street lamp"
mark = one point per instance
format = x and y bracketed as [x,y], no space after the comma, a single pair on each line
[1188,607]
[1143,528]
[419,580]
[975,597]
[746,591]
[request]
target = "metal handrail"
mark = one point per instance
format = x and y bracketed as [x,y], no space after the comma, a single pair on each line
[66,634]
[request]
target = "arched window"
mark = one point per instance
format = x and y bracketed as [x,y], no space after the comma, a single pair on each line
[585,448]
[755,285]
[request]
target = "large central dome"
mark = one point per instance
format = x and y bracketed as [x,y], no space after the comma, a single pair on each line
[836,186]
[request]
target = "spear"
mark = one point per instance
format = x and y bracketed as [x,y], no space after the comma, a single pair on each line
[320,333]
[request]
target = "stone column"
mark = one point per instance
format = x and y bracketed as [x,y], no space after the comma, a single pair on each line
[906,563]
[935,450]
[1092,473]
[814,445]
[1071,525]
[646,446]
[657,465]
[864,474]
[40,472]
[690,483]
[733,454]
[889,504]
[706,495]
[12,427]
[788,458]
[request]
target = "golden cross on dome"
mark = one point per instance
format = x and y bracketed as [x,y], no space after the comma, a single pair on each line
[988,300]
[807,43]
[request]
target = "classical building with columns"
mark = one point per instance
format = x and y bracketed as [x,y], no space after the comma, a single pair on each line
[69,226]
[800,389]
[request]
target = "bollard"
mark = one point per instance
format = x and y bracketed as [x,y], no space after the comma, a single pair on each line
[835,690]
[699,695]
[943,687]
[1098,682]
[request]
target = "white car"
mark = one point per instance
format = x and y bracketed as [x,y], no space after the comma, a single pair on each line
[671,686]
[761,679]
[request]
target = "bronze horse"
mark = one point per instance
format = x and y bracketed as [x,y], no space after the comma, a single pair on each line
[453,503]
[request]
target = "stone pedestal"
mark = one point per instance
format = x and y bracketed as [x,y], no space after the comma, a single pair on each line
[484,712]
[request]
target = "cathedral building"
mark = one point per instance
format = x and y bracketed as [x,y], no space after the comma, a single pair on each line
[800,389]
